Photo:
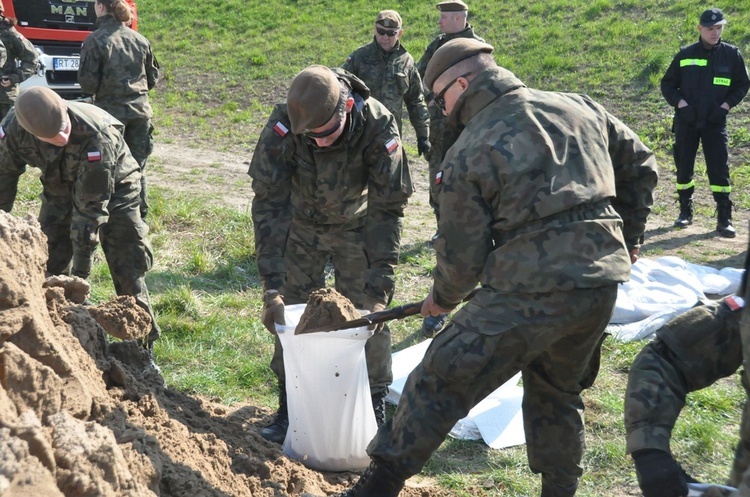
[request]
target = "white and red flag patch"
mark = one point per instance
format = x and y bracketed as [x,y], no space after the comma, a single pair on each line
[280,129]
[2,133]
[94,155]
[391,145]
[439,177]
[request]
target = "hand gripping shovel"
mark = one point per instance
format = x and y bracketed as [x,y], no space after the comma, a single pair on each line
[398,312]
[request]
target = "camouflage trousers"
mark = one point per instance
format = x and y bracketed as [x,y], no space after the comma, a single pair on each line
[690,352]
[554,339]
[740,476]
[308,251]
[139,137]
[123,239]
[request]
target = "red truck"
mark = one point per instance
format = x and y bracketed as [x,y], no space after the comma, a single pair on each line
[57,29]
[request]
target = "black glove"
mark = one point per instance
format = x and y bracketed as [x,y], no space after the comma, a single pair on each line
[658,473]
[423,145]
[687,114]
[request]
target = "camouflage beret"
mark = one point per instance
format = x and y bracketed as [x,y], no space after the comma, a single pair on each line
[451,54]
[312,98]
[41,112]
[452,6]
[388,19]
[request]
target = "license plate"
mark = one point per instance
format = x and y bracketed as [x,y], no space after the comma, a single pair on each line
[66,63]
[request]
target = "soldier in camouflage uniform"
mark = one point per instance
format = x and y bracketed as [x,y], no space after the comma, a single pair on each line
[543,200]
[690,352]
[91,188]
[389,72]
[330,183]
[119,68]
[21,62]
[453,24]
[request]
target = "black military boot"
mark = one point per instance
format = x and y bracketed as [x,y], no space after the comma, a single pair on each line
[276,431]
[686,209]
[724,217]
[554,490]
[378,405]
[376,481]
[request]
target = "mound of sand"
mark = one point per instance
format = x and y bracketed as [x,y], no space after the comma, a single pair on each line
[80,416]
[325,307]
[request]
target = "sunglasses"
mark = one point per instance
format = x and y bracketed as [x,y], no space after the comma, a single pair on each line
[440,97]
[387,32]
[325,132]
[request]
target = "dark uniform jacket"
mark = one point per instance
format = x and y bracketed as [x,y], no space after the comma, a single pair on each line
[359,183]
[705,78]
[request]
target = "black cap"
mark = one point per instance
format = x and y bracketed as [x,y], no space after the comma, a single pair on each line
[712,17]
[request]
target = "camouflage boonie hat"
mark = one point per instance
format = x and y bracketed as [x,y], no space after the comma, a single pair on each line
[453,6]
[388,19]
[313,98]
[41,112]
[451,54]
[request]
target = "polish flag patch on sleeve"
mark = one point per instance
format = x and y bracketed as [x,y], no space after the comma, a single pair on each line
[280,129]
[391,145]
[2,133]
[439,177]
[94,155]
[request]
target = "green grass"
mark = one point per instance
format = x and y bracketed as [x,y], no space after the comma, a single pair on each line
[225,64]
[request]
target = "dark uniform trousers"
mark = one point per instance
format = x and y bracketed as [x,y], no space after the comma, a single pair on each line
[715,142]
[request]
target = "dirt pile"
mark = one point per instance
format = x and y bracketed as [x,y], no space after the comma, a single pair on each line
[80,416]
[325,307]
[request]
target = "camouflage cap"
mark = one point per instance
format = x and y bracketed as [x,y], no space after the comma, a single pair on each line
[388,19]
[452,6]
[312,98]
[41,112]
[451,54]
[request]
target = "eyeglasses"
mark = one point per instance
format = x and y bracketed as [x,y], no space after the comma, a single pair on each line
[325,132]
[388,32]
[440,97]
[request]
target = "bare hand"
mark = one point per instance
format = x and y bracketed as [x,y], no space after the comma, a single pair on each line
[430,308]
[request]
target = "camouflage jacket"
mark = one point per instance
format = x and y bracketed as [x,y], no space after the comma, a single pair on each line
[118,68]
[442,135]
[530,193]
[88,169]
[21,63]
[393,79]
[361,182]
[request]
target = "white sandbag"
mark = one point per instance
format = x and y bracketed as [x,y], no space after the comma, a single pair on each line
[331,419]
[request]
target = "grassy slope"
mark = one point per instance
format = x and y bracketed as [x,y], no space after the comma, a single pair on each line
[227,61]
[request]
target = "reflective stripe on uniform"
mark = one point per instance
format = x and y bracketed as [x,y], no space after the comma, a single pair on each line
[685,186]
[694,62]
[721,188]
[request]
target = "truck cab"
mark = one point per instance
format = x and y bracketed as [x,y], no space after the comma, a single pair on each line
[57,29]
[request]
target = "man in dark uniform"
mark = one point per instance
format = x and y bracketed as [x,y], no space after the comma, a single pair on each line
[545,241]
[703,82]
[330,183]
[454,24]
[91,188]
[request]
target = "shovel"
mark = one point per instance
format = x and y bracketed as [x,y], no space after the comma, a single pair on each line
[398,312]
[698,489]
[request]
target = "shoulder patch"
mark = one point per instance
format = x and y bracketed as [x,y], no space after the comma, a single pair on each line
[280,129]
[2,133]
[349,59]
[94,155]
[439,177]
[391,145]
